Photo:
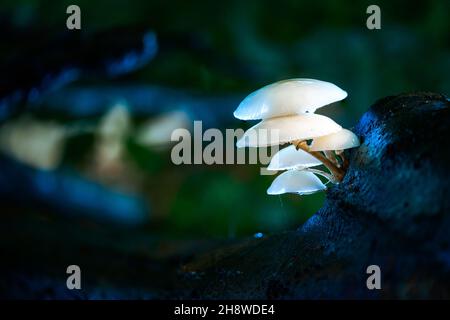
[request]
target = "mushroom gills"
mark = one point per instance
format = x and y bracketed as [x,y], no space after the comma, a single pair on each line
[291,158]
[287,129]
[343,139]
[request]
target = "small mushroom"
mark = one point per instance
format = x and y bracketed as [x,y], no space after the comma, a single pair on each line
[287,129]
[294,181]
[287,97]
[291,158]
[286,109]
[343,139]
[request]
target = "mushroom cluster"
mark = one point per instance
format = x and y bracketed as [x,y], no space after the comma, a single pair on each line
[287,107]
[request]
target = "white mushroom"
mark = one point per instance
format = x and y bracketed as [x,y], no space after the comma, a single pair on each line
[343,139]
[291,158]
[294,181]
[287,97]
[287,129]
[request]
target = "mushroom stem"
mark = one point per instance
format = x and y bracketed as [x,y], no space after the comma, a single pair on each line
[328,176]
[344,161]
[338,173]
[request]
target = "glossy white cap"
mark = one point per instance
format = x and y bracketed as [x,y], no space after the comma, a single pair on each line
[286,129]
[294,96]
[343,139]
[291,158]
[295,181]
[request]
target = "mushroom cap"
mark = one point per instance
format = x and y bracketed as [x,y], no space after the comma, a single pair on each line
[295,181]
[343,139]
[286,129]
[294,96]
[291,158]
